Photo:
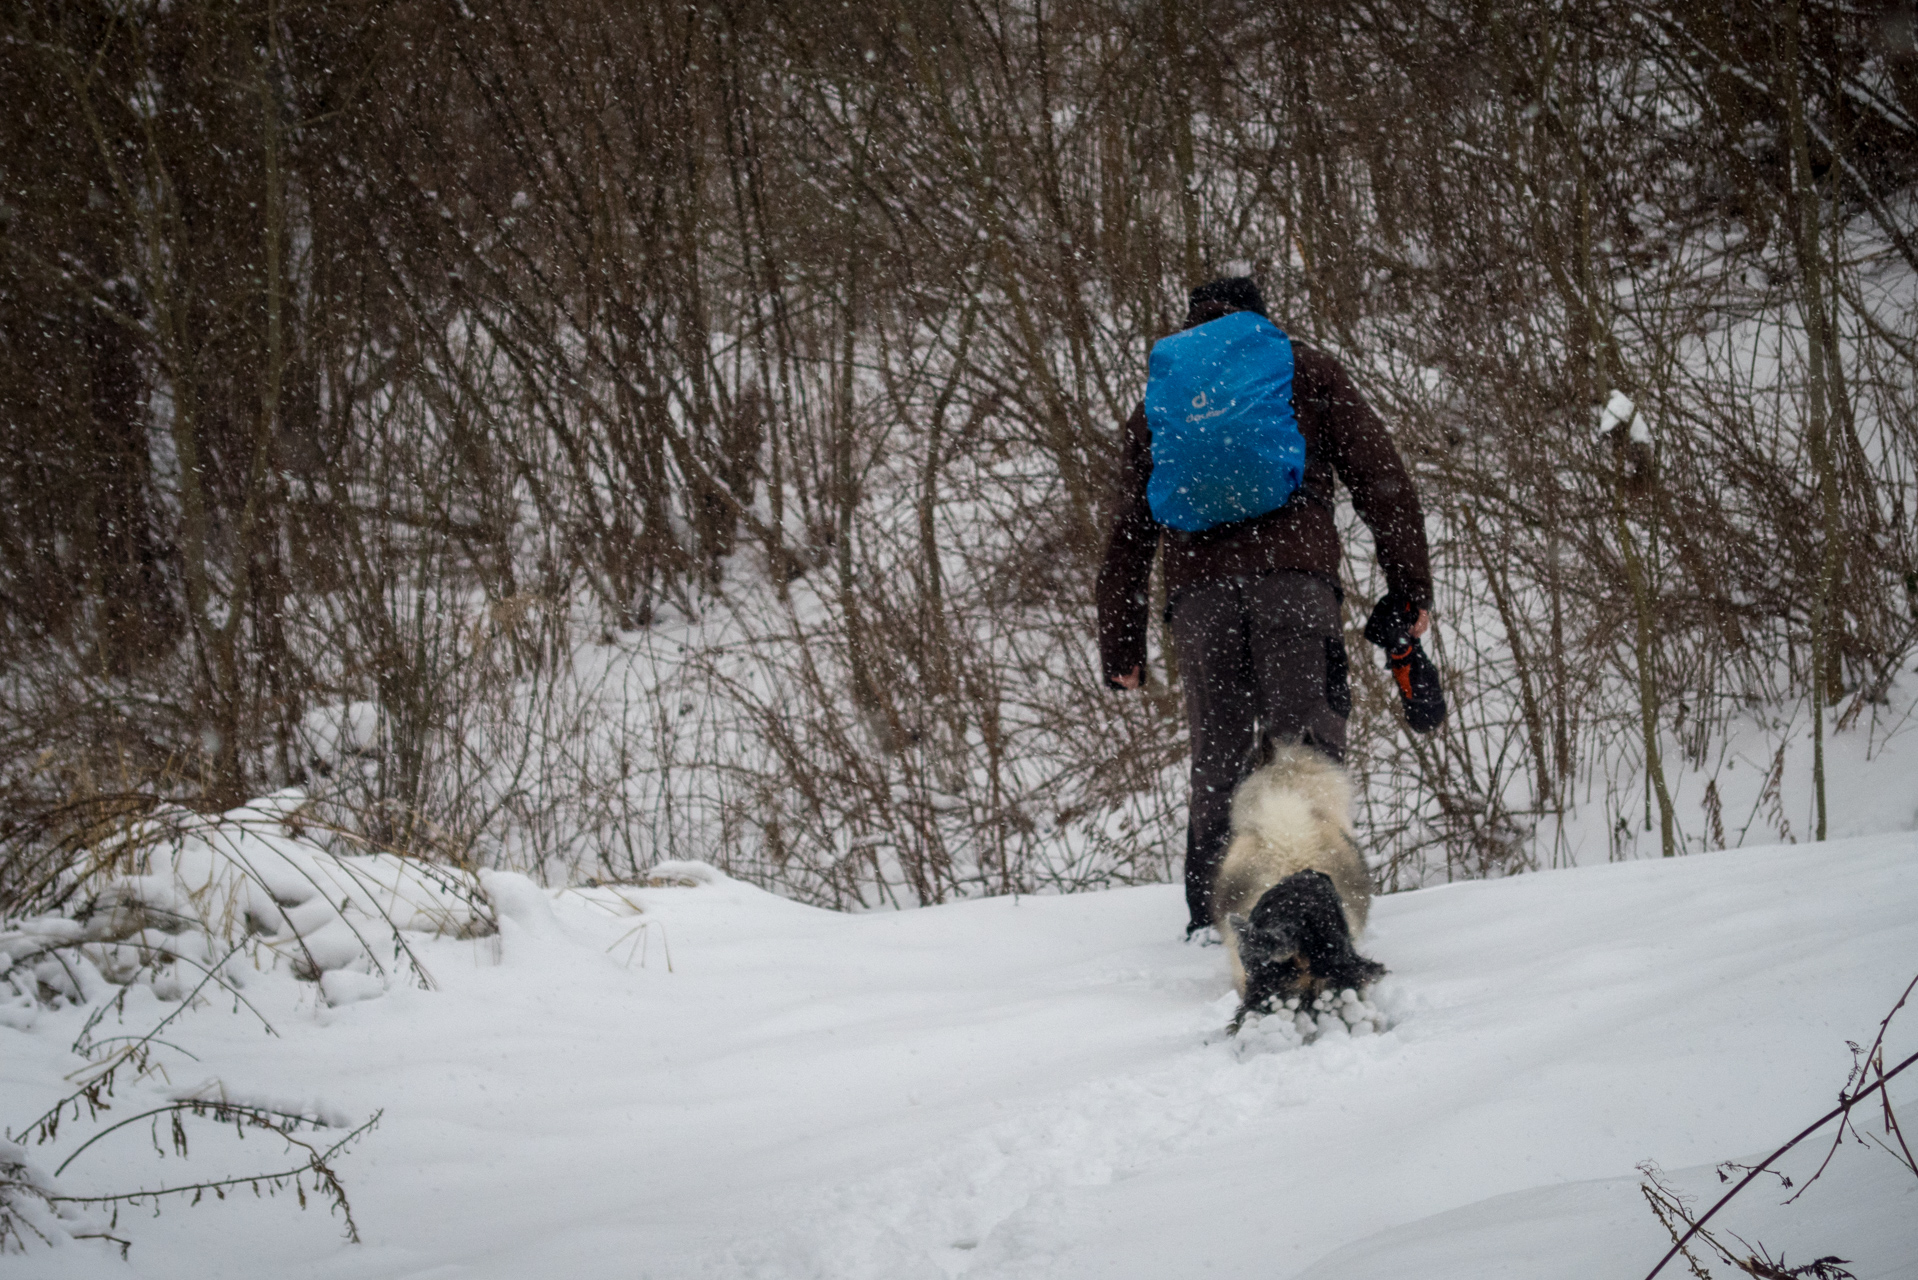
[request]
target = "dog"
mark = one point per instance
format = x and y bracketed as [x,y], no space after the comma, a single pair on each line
[1293,890]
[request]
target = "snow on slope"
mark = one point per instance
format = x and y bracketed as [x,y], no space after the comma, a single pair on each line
[1039,1087]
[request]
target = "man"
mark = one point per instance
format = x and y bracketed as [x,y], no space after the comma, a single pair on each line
[1253,604]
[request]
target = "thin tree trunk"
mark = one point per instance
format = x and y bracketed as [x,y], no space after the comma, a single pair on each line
[1182,151]
[1644,607]
[1805,236]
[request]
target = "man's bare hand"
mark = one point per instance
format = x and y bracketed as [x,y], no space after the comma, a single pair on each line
[1130,680]
[1420,627]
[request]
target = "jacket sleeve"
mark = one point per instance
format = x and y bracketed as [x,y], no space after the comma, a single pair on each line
[1381,488]
[1124,577]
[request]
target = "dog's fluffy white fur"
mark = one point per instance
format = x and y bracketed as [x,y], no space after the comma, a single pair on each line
[1292,814]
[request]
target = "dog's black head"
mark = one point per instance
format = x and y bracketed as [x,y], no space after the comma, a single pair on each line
[1262,941]
[1294,943]
[1269,949]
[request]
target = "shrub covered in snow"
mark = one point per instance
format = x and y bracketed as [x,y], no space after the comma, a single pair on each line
[173,887]
[187,907]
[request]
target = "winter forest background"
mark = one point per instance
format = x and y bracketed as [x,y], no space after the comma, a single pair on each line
[563,435]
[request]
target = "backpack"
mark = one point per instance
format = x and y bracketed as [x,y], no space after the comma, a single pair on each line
[1226,445]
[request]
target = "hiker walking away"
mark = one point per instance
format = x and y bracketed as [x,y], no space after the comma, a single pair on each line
[1229,461]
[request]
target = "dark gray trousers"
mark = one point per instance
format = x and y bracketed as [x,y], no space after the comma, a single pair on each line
[1262,659]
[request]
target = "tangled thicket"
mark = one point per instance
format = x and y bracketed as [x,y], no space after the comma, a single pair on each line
[568,431]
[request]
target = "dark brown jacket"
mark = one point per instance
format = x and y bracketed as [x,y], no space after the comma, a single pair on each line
[1343,437]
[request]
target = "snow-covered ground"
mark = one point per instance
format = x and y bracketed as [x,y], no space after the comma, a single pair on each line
[1040,1087]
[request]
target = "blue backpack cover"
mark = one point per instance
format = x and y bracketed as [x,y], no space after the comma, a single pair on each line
[1225,443]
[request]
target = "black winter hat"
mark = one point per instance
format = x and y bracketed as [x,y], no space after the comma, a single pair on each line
[1217,297]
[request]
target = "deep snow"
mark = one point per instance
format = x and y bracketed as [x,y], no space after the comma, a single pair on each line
[1040,1087]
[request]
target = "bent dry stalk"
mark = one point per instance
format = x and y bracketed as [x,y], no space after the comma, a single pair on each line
[1851,1096]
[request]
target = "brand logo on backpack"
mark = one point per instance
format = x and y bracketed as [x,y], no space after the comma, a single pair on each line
[1199,401]
[1205,472]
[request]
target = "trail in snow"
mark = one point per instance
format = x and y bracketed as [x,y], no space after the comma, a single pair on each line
[1040,1087]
